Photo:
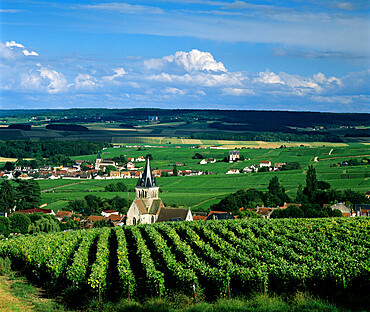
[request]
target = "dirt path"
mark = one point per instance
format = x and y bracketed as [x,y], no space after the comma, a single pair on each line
[316,159]
[331,151]
[53,188]
[10,303]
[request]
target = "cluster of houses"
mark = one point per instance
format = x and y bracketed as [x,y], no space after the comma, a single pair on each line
[148,208]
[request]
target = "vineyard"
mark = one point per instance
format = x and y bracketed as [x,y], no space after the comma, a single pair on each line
[215,258]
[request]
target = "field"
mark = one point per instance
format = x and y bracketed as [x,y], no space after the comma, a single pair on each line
[213,258]
[200,192]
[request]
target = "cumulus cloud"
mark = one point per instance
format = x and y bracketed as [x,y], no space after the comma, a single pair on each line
[119,72]
[12,44]
[85,81]
[57,81]
[237,91]
[268,77]
[194,60]
[174,91]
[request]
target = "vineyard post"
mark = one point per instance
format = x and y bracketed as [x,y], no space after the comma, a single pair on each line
[228,289]
[194,295]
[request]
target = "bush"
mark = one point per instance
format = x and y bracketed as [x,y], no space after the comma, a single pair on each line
[5,265]
[19,223]
[4,226]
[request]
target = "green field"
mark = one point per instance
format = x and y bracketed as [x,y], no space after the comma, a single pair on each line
[200,192]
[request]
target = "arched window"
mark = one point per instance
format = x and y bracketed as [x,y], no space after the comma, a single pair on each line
[133,221]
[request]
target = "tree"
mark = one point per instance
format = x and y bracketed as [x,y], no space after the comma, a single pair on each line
[311,182]
[175,173]
[274,186]
[4,226]
[198,156]
[7,196]
[28,194]
[9,166]
[149,156]
[101,223]
[19,223]
[110,168]
[94,204]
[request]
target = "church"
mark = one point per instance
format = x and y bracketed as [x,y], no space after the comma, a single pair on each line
[148,207]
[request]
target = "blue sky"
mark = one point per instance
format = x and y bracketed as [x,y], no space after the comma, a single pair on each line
[271,55]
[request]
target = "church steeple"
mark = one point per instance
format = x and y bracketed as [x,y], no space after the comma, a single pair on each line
[147,180]
[98,157]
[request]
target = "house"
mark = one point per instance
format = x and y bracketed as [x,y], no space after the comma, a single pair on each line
[109,212]
[179,164]
[125,174]
[278,166]
[174,214]
[234,155]
[362,210]
[101,163]
[203,162]
[92,219]
[346,212]
[251,168]
[130,166]
[138,173]
[144,209]
[286,205]
[115,174]
[265,163]
[211,160]
[35,210]
[140,158]
[115,219]
[219,215]
[130,159]
[156,173]
[62,214]
[265,212]
[233,171]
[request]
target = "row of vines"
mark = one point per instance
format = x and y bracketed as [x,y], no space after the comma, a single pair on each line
[219,257]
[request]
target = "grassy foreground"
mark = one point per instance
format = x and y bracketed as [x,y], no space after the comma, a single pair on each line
[17,294]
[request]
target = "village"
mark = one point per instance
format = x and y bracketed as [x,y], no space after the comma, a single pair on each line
[107,168]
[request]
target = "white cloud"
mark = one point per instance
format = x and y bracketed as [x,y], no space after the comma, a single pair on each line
[119,72]
[85,81]
[12,44]
[174,91]
[268,77]
[194,60]
[237,91]
[27,53]
[124,8]
[31,80]
[57,81]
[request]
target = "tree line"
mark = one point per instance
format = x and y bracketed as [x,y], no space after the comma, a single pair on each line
[46,149]
[267,136]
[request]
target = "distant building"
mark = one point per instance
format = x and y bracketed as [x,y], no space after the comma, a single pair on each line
[265,163]
[346,212]
[278,166]
[152,118]
[101,163]
[234,155]
[233,171]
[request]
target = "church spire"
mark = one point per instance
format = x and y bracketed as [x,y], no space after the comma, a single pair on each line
[147,179]
[98,157]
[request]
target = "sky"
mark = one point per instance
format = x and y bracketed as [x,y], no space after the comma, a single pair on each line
[261,55]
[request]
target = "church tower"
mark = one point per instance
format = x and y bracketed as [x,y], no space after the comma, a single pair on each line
[146,206]
[98,161]
[147,187]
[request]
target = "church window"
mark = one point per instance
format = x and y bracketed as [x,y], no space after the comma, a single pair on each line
[133,221]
